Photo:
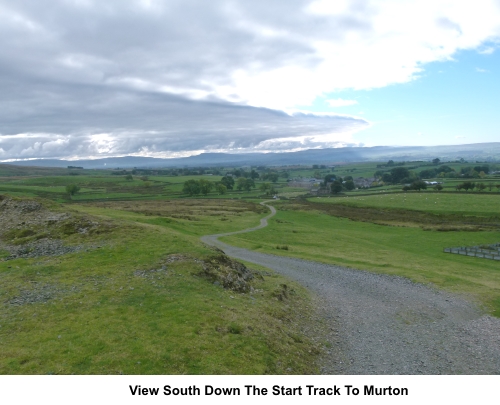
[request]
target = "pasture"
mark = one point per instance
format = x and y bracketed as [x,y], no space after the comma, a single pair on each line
[386,240]
[441,203]
[135,294]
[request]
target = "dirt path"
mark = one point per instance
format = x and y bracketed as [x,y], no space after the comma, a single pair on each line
[387,325]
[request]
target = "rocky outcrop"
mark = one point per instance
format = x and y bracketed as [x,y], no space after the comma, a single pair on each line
[31,228]
[224,271]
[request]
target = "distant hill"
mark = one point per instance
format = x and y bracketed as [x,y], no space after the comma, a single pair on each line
[472,152]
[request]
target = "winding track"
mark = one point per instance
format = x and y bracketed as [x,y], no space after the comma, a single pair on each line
[384,324]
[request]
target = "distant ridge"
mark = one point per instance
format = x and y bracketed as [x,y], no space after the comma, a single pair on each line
[470,152]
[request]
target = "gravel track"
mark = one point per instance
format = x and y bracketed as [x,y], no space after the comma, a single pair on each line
[384,324]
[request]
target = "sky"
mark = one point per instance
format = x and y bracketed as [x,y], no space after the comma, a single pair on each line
[89,79]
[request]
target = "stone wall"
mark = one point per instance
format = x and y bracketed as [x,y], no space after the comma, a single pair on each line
[483,251]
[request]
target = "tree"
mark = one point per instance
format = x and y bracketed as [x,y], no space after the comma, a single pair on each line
[466,185]
[228,181]
[336,187]
[484,169]
[273,177]
[240,183]
[427,173]
[265,188]
[398,174]
[72,189]
[205,186]
[244,184]
[418,185]
[481,186]
[249,184]
[387,177]
[220,188]
[438,187]
[329,178]
[129,177]
[191,187]
[446,169]
[349,185]
[436,161]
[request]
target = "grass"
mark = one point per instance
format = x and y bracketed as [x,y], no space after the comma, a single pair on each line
[440,203]
[407,251]
[103,186]
[126,308]
[195,217]
[106,310]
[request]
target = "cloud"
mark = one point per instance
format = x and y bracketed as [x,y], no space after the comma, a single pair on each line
[487,51]
[76,121]
[129,76]
[339,102]
[479,70]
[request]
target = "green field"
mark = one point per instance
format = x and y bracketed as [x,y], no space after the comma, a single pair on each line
[404,248]
[447,203]
[105,186]
[137,300]
[138,295]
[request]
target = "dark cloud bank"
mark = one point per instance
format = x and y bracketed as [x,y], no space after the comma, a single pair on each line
[84,78]
[72,121]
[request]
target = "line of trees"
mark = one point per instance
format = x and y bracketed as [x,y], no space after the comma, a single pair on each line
[243,173]
[397,175]
[470,185]
[202,186]
[402,175]
[339,184]
[417,185]
[268,189]
[196,187]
